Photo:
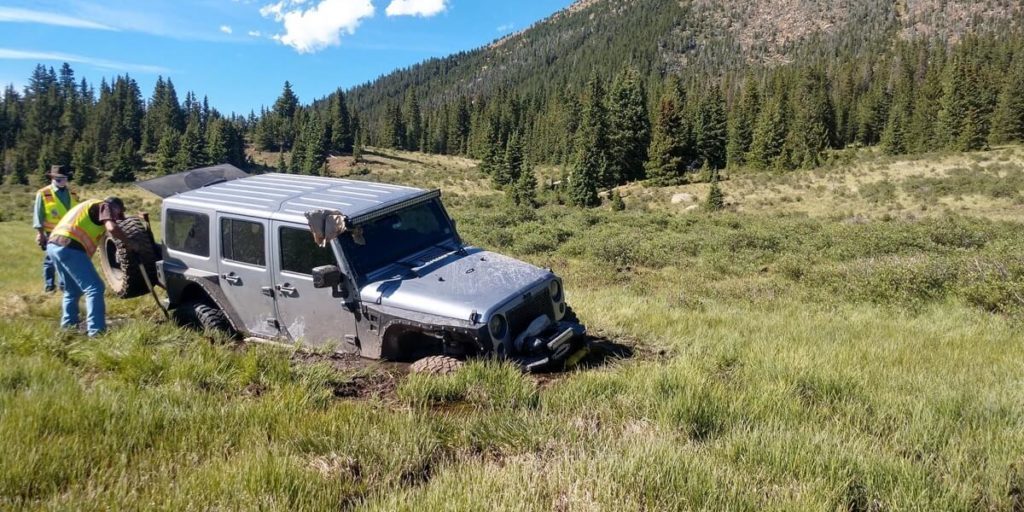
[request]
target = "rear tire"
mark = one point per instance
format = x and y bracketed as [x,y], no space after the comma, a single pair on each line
[436,365]
[203,317]
[120,264]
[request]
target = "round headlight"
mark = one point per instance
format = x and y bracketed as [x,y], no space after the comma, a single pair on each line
[556,291]
[498,327]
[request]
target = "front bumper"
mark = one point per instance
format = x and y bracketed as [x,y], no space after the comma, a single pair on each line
[558,346]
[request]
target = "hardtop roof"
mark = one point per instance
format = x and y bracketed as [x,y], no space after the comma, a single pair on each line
[288,196]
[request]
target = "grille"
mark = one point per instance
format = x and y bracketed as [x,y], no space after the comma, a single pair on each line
[537,304]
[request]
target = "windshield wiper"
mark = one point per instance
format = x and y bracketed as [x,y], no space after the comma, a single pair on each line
[459,248]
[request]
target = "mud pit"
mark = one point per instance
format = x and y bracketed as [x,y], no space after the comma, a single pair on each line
[361,378]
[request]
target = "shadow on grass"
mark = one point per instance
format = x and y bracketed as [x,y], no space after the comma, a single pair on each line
[606,351]
[389,157]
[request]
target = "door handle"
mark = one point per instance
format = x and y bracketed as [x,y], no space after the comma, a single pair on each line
[232,278]
[287,289]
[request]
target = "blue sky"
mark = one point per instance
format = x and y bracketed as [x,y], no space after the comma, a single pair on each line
[240,52]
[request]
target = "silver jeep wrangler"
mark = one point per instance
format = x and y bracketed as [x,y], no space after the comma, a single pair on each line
[395,283]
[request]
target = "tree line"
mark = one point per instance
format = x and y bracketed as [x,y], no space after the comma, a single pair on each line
[918,96]
[921,96]
[107,134]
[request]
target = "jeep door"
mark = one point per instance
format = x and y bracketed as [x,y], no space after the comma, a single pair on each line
[310,315]
[243,273]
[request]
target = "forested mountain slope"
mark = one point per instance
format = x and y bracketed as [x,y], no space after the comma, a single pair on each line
[691,37]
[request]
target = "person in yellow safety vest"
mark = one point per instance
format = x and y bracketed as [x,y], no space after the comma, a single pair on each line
[71,246]
[52,202]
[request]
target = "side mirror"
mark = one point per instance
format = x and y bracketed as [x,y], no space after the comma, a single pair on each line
[327,276]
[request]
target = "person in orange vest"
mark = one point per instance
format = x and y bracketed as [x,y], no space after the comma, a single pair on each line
[52,202]
[71,246]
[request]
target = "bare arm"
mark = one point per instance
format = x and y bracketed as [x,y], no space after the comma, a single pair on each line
[115,230]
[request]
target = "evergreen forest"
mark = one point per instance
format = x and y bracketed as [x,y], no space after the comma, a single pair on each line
[698,87]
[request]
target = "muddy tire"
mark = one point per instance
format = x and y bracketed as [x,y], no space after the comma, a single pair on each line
[120,261]
[436,365]
[203,317]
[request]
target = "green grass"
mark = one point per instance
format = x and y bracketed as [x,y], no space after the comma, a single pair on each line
[782,362]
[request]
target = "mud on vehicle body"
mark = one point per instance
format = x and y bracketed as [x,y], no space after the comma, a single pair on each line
[392,281]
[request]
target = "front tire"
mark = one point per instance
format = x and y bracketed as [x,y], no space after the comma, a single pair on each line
[437,365]
[204,317]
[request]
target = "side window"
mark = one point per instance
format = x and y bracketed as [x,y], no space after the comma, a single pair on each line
[300,254]
[188,232]
[242,241]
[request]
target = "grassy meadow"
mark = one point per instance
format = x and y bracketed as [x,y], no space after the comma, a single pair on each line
[848,338]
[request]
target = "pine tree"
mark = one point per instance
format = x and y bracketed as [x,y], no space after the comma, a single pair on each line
[768,145]
[872,113]
[711,129]
[459,128]
[921,135]
[524,189]
[716,198]
[281,166]
[1008,119]
[191,153]
[167,152]
[590,167]
[122,168]
[84,161]
[629,127]
[669,149]
[583,179]
[314,146]
[296,165]
[493,155]
[592,135]
[617,203]
[164,113]
[741,123]
[218,140]
[895,137]
[341,124]
[285,109]
[813,119]
[413,119]
[394,128]
[357,148]
[511,166]
[963,117]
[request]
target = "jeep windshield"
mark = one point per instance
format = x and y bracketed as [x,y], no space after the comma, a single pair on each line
[396,236]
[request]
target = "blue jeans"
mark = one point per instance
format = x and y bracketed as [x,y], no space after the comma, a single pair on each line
[50,278]
[49,272]
[79,276]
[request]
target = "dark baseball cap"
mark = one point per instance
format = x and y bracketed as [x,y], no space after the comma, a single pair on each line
[116,201]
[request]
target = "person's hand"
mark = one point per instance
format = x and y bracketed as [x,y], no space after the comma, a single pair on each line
[41,239]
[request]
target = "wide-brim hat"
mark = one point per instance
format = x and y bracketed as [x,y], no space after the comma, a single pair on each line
[59,171]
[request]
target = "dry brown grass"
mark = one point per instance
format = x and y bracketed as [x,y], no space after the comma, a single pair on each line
[873,187]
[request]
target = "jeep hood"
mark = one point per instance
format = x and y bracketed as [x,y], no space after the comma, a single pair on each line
[454,285]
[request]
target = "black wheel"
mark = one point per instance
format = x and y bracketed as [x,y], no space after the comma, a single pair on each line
[119,261]
[436,365]
[202,316]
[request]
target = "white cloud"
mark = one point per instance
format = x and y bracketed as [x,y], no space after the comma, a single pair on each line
[15,15]
[7,53]
[255,33]
[226,29]
[425,8]
[274,10]
[506,27]
[311,30]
